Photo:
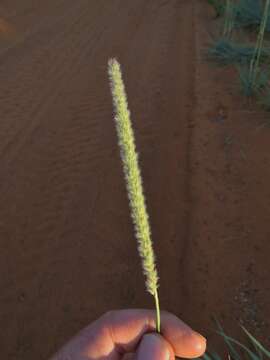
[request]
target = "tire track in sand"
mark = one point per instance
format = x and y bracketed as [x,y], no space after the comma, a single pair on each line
[62,170]
[30,76]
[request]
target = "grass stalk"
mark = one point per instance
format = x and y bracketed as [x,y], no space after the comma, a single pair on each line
[157,311]
[255,62]
[134,184]
[228,21]
[250,88]
[253,350]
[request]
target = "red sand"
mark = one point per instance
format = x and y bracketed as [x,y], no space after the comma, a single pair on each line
[67,252]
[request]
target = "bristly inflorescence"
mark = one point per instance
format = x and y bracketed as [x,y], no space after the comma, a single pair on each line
[133,176]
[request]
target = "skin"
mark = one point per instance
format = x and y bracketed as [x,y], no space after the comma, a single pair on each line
[130,334]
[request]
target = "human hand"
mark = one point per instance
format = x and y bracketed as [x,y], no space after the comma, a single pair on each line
[129,334]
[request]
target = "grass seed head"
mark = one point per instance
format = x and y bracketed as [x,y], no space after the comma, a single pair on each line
[132,176]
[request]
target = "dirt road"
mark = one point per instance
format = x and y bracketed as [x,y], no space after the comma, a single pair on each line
[67,250]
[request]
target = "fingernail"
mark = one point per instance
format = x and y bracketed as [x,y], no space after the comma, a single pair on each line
[167,355]
[199,342]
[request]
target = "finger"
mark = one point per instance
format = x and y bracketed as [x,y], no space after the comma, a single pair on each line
[120,331]
[185,342]
[154,347]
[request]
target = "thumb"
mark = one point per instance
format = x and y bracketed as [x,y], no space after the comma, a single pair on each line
[154,347]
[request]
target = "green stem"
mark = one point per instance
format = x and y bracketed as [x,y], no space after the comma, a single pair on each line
[254,65]
[225,29]
[228,22]
[157,311]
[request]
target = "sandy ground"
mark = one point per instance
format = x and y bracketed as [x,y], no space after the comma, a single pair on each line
[67,250]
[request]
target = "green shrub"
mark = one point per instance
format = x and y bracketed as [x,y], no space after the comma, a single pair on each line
[225,52]
[249,13]
[238,351]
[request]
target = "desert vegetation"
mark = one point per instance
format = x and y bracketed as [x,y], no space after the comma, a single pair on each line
[243,43]
[251,350]
[245,19]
